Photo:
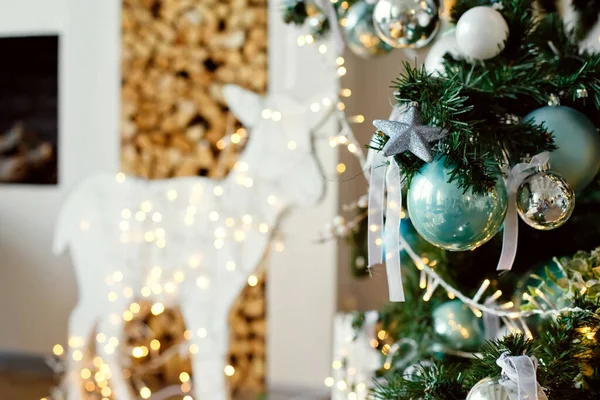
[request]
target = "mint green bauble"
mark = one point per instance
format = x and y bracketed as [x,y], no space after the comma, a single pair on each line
[448,218]
[457,327]
[577,158]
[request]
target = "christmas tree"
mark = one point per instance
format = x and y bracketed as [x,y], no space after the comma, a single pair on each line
[500,121]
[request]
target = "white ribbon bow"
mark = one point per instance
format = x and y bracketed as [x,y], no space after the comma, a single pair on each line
[385,172]
[511,222]
[520,371]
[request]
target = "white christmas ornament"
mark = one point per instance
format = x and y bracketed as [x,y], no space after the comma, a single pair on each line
[201,238]
[481,33]
[446,44]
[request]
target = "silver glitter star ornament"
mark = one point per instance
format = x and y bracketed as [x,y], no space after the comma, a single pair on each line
[409,134]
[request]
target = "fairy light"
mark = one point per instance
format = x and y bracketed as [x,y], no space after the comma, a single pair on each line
[90,386]
[497,294]
[423,280]
[279,246]
[221,144]
[140,216]
[263,228]
[112,297]
[85,373]
[451,295]
[291,145]
[322,49]
[218,191]
[527,297]
[329,381]
[230,266]
[341,106]
[213,216]
[120,177]
[194,261]
[507,306]
[341,71]
[357,119]
[188,398]
[340,61]
[276,116]
[481,290]
[106,392]
[309,39]
[139,351]
[235,138]
[542,296]
[203,282]
[352,148]
[58,350]
[172,194]
[100,337]
[202,333]
[337,364]
[346,92]
[145,393]
[145,291]
[77,355]
[155,344]
[301,41]
[229,370]
[157,289]
[252,280]
[340,168]
[127,315]
[342,385]
[374,343]
[157,309]
[178,276]
[315,107]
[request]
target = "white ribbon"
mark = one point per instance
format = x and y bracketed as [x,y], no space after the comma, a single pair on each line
[385,172]
[327,7]
[520,371]
[511,222]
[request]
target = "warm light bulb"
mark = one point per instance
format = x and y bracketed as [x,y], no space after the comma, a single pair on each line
[184,377]
[58,350]
[157,308]
[229,370]
[253,280]
[145,393]
[155,344]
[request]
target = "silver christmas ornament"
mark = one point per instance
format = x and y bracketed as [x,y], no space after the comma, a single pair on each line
[359,31]
[408,24]
[545,200]
[497,389]
[409,134]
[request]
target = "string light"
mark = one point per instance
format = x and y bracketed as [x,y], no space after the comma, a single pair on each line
[263,228]
[172,194]
[184,377]
[202,333]
[155,344]
[341,168]
[329,381]
[252,280]
[339,61]
[229,370]
[157,309]
[58,350]
[128,292]
[120,177]
[145,393]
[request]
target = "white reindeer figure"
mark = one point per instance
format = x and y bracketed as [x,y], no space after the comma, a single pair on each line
[191,242]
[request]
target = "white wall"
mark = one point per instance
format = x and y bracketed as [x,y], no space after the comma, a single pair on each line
[37,290]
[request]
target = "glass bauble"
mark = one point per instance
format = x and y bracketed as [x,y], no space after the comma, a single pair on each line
[457,326]
[481,33]
[450,218]
[359,31]
[545,201]
[407,24]
[577,158]
[493,389]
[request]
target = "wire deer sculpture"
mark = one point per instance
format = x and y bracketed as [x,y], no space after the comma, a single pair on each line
[189,242]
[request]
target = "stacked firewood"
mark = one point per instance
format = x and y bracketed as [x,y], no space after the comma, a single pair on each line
[177,55]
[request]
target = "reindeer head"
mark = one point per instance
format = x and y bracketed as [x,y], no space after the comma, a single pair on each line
[280,147]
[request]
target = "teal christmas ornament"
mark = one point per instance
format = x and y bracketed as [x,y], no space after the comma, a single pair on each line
[449,218]
[457,327]
[359,31]
[577,158]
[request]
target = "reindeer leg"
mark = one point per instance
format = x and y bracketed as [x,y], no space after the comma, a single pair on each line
[81,325]
[120,388]
[209,363]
